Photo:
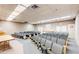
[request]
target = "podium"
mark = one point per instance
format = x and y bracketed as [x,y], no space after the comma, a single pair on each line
[4,41]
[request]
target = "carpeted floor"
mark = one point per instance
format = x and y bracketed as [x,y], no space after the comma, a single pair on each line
[73,48]
[29,47]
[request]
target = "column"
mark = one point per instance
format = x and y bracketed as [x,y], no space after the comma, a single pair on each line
[77,29]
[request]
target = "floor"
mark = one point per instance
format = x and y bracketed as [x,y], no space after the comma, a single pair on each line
[29,47]
[73,48]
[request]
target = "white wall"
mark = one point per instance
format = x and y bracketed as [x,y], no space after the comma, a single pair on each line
[11,27]
[68,26]
[77,29]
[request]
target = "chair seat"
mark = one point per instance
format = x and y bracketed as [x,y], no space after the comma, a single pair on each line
[43,47]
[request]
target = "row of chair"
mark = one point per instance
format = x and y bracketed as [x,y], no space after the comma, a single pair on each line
[25,34]
[55,42]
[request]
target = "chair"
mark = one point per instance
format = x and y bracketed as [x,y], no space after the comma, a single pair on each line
[62,38]
[56,49]
[39,42]
[48,37]
[42,44]
[63,35]
[48,46]
[43,41]
[36,39]
[33,38]
[61,42]
[54,39]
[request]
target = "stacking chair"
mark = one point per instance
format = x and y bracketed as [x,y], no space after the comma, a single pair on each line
[54,37]
[56,49]
[39,42]
[42,43]
[63,35]
[48,46]
[34,38]
[48,37]
[62,40]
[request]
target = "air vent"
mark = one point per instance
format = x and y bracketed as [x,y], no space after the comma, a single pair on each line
[34,6]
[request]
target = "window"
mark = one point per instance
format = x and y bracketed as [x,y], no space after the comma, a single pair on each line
[61,28]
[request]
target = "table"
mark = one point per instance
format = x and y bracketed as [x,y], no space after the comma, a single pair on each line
[4,42]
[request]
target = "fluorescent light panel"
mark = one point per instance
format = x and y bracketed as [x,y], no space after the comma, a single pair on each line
[19,8]
[17,11]
[26,5]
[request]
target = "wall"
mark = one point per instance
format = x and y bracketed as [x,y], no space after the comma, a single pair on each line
[64,26]
[77,29]
[11,27]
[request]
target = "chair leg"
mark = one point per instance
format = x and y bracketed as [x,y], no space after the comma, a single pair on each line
[44,51]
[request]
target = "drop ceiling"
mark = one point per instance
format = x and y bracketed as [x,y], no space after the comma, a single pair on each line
[6,10]
[43,12]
